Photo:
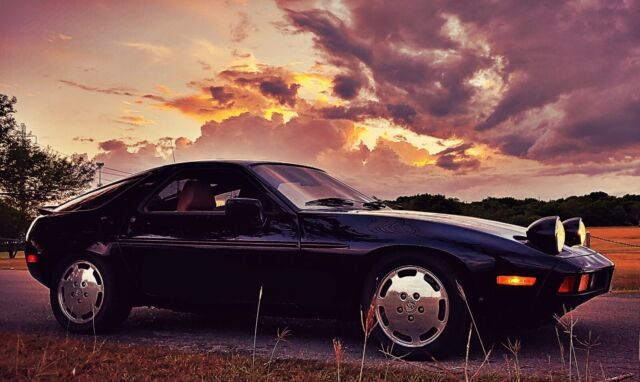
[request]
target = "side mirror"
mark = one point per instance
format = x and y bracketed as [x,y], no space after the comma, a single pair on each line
[244,213]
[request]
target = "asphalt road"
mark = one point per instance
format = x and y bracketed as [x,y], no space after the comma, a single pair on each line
[614,319]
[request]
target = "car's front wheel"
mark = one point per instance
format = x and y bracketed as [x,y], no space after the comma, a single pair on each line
[418,308]
[88,295]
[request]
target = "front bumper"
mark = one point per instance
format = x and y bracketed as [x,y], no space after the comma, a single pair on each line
[595,268]
[543,302]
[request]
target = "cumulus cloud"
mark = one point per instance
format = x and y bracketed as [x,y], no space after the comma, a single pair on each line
[483,71]
[517,87]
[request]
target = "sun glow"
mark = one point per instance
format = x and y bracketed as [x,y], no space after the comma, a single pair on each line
[286,114]
[313,86]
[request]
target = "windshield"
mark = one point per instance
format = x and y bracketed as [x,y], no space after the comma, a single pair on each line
[303,186]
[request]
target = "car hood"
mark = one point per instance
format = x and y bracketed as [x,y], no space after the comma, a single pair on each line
[475,224]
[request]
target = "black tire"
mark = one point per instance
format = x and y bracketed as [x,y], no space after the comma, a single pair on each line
[114,304]
[454,333]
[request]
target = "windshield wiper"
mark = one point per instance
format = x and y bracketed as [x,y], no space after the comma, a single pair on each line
[337,202]
[330,202]
[375,204]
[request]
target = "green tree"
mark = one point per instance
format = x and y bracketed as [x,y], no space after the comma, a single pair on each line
[31,176]
[596,209]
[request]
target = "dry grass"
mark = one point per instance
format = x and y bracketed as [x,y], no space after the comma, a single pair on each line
[51,358]
[627,259]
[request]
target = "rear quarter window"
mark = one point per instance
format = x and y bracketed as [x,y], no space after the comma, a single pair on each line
[98,197]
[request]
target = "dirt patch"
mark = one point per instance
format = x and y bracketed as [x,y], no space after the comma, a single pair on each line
[13,264]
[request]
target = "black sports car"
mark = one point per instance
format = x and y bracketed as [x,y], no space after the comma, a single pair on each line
[191,236]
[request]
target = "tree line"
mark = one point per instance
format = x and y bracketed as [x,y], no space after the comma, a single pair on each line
[596,208]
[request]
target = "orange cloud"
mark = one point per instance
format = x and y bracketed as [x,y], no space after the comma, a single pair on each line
[407,152]
[135,120]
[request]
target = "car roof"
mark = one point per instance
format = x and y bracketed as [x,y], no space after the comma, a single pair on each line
[234,162]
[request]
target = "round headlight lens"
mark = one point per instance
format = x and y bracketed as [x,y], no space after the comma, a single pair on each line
[547,234]
[575,232]
[560,235]
[582,232]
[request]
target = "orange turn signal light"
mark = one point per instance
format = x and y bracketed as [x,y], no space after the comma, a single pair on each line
[567,284]
[584,283]
[32,259]
[516,280]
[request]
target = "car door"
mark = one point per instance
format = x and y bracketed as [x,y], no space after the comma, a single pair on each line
[180,249]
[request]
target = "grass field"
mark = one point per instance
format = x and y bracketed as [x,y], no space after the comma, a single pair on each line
[626,258]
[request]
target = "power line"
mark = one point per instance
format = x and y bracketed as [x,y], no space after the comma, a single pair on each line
[115,169]
[114,174]
[23,132]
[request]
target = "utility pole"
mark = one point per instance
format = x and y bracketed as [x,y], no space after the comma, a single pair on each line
[100,165]
[169,141]
[25,135]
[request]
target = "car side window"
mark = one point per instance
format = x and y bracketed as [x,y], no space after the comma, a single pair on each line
[203,191]
[98,197]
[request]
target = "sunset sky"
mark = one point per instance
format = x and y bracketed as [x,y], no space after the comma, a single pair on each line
[466,98]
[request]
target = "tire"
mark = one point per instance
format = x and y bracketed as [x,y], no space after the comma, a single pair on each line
[88,294]
[408,323]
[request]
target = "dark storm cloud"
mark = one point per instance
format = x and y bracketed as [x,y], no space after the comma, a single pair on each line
[332,36]
[355,112]
[457,159]
[596,123]
[383,38]
[274,83]
[278,89]
[573,55]
[346,86]
[402,113]
[219,94]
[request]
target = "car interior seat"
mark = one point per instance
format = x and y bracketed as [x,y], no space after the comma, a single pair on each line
[196,196]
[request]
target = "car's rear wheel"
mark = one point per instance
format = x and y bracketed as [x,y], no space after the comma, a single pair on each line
[418,308]
[88,294]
